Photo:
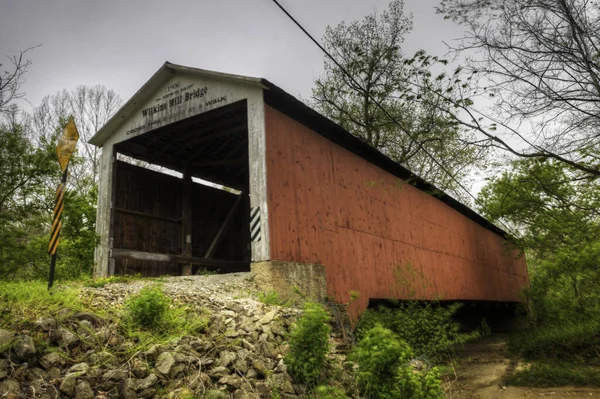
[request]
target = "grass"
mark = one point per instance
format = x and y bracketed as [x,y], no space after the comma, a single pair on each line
[22,303]
[556,374]
[273,298]
[101,282]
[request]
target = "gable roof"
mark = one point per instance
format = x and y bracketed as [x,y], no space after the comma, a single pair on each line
[284,102]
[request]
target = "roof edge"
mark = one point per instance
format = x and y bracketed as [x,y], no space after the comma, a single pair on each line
[167,70]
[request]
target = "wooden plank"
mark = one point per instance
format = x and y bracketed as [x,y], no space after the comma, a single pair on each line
[224,228]
[118,253]
[147,215]
[186,224]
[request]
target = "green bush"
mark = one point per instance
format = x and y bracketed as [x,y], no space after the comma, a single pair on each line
[428,329]
[329,392]
[379,354]
[147,309]
[384,370]
[309,344]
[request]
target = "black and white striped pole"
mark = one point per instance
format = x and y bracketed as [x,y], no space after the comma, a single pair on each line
[64,149]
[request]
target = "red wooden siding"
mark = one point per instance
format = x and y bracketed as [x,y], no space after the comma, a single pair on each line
[373,233]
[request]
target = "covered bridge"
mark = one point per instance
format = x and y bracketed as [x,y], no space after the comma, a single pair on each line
[205,169]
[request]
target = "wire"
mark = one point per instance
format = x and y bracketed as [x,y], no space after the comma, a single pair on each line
[391,117]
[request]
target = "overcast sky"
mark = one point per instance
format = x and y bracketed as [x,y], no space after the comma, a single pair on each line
[121,43]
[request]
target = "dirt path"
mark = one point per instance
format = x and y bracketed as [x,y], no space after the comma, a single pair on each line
[481,370]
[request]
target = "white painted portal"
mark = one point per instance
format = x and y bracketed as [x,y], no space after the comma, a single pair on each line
[180,95]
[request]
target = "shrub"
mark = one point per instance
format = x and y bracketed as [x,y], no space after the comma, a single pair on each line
[309,344]
[378,354]
[384,370]
[329,392]
[428,329]
[147,308]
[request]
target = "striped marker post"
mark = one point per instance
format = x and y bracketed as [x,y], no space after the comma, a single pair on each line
[56,225]
[64,150]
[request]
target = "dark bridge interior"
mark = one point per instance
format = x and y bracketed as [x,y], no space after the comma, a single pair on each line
[163,223]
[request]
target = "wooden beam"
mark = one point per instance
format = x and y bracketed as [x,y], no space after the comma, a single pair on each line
[221,133]
[147,215]
[186,221]
[118,253]
[224,227]
[219,162]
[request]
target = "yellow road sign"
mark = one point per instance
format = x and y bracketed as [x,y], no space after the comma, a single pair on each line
[66,144]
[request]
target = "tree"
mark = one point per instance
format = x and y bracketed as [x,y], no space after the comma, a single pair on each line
[539,60]
[557,216]
[92,107]
[370,51]
[11,81]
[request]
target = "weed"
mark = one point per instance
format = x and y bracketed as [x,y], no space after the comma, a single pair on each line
[578,342]
[148,307]
[273,298]
[554,374]
[329,392]
[384,370]
[101,282]
[428,329]
[309,343]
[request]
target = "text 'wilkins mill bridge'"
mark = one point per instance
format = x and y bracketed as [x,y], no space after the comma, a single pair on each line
[306,203]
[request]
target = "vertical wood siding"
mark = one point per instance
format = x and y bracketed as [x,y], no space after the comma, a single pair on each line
[374,233]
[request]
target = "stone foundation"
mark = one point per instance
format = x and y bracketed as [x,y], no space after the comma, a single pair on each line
[291,280]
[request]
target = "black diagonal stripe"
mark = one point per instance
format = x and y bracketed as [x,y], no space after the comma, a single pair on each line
[254,224]
[254,212]
[256,234]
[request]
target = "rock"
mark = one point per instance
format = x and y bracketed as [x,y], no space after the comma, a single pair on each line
[282,381]
[152,353]
[147,382]
[139,368]
[233,382]
[215,394]
[147,393]
[251,374]
[262,389]
[281,367]
[232,334]
[164,363]
[218,372]
[79,368]
[10,389]
[45,323]
[180,393]
[241,366]
[266,319]
[54,373]
[242,394]
[260,366]
[4,365]
[114,375]
[199,380]
[226,359]
[67,339]
[247,345]
[24,348]
[68,384]
[52,359]
[83,390]
[6,338]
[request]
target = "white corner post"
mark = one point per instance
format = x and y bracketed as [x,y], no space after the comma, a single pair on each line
[259,216]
